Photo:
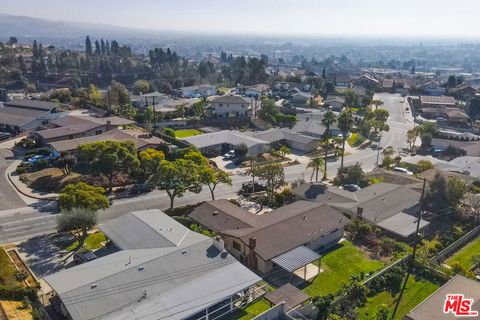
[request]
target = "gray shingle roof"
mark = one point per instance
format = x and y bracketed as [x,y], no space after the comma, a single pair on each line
[432,307]
[224,136]
[32,104]
[182,275]
[274,135]
[232,99]
[17,116]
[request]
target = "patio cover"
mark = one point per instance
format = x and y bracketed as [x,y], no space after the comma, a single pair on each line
[296,258]
[289,294]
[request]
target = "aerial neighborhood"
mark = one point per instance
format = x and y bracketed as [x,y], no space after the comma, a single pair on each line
[157,182]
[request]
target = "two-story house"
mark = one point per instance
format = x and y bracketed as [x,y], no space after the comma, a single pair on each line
[229,107]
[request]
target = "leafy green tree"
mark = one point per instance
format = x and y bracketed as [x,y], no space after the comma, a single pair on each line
[382,313]
[241,150]
[272,174]
[351,98]
[88,46]
[316,164]
[323,305]
[109,158]
[119,96]
[196,157]
[149,160]
[437,193]
[284,151]
[269,111]
[141,86]
[65,163]
[424,165]
[456,190]
[83,196]
[328,120]
[176,178]
[345,123]
[378,119]
[351,174]
[77,221]
[426,139]
[412,136]
[168,132]
[212,177]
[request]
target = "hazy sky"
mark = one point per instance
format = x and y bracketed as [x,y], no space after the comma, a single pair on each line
[458,18]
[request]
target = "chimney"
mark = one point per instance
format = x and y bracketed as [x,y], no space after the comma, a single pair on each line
[359,211]
[252,243]
[218,243]
[109,125]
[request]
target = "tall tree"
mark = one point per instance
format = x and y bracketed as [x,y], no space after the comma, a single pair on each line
[345,123]
[272,174]
[84,196]
[88,46]
[109,158]
[98,51]
[176,178]
[77,221]
[328,120]
[212,177]
[316,164]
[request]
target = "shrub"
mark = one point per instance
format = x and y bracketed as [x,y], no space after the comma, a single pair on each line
[426,139]
[23,168]
[40,165]
[44,151]
[359,140]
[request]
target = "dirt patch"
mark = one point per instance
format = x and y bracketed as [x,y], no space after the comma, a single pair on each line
[47,180]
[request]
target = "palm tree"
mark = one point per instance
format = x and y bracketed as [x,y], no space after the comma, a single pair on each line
[328,120]
[345,122]
[316,164]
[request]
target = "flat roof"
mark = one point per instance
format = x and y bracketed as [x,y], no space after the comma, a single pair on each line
[296,258]
[289,294]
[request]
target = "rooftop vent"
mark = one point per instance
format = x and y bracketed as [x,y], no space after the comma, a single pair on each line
[93,286]
[184,251]
[141,268]
[215,213]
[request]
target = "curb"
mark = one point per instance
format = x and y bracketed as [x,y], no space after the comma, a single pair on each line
[28,195]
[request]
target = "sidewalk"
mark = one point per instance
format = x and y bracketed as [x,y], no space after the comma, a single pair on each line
[25,192]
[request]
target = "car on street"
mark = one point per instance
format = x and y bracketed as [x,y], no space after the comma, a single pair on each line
[402,170]
[84,256]
[351,187]
[5,135]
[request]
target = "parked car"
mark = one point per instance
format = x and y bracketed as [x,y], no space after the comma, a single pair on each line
[36,159]
[247,188]
[402,170]
[84,256]
[229,155]
[5,135]
[140,188]
[374,146]
[351,187]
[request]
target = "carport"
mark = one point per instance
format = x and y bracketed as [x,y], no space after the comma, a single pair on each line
[298,260]
[288,294]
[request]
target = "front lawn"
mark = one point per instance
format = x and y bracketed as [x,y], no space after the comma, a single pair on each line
[7,271]
[339,265]
[93,241]
[415,292]
[465,255]
[184,133]
[251,311]
[351,139]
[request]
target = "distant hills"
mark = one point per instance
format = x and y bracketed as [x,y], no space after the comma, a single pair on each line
[28,28]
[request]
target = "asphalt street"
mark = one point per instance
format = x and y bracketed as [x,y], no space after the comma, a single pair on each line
[21,223]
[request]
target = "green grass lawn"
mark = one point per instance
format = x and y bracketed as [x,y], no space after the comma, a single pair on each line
[7,271]
[352,138]
[339,265]
[415,292]
[465,255]
[251,311]
[186,133]
[93,241]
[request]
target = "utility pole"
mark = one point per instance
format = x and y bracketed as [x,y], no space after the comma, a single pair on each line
[109,103]
[417,240]
[154,114]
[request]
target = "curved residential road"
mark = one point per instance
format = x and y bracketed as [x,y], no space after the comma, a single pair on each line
[24,223]
[9,199]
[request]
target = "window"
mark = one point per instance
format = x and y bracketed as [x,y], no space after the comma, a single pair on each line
[44,122]
[237,246]
[98,132]
[70,137]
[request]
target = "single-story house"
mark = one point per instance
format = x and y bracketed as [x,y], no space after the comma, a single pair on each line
[431,88]
[437,101]
[231,106]
[433,307]
[282,237]
[300,97]
[24,115]
[293,140]
[310,124]
[203,90]
[73,127]
[162,270]
[141,140]
[336,103]
[450,115]
[225,140]
[257,90]
[147,99]
[465,91]
[389,206]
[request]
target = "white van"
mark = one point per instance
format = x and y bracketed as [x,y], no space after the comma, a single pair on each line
[402,170]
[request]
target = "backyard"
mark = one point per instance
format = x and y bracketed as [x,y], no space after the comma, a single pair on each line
[250,311]
[184,133]
[339,265]
[465,256]
[415,292]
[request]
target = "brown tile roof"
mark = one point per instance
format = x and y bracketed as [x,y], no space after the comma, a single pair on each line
[276,232]
[443,100]
[114,135]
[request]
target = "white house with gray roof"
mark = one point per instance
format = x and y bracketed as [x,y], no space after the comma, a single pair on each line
[162,270]
[231,106]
